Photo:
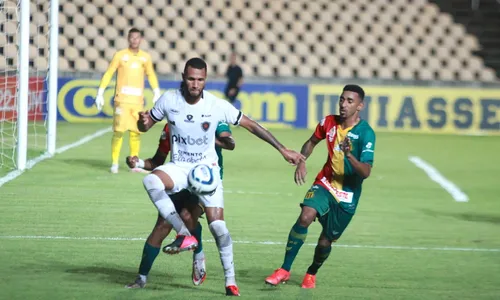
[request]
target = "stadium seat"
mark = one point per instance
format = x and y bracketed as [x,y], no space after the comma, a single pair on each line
[101,65]
[397,36]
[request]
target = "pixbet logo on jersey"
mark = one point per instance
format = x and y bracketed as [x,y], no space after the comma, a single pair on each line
[188,140]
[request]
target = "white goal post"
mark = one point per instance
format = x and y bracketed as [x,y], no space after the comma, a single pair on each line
[28,95]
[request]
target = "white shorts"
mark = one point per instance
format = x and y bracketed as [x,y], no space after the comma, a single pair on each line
[179,175]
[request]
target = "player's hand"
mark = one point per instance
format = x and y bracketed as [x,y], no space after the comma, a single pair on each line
[231,92]
[346,145]
[132,161]
[292,157]
[156,95]
[143,122]
[99,102]
[300,173]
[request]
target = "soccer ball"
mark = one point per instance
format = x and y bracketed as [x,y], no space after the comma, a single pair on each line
[201,180]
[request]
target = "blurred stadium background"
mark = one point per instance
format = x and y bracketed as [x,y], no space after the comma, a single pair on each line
[429,67]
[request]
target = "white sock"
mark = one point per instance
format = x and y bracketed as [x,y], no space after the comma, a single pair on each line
[199,256]
[156,191]
[143,277]
[225,246]
[167,211]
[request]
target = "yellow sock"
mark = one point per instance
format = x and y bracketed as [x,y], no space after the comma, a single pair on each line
[135,143]
[116,146]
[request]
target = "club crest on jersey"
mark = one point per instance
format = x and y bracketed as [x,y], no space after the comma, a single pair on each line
[331,134]
[163,135]
[189,119]
[205,126]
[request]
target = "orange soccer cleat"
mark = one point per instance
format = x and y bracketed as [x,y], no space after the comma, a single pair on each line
[309,281]
[232,290]
[279,276]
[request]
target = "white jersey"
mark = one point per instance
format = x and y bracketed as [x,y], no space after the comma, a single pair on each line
[192,127]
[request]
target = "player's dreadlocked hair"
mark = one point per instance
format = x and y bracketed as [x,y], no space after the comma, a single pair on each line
[195,63]
[355,89]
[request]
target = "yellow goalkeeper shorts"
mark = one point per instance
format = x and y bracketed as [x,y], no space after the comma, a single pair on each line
[126,116]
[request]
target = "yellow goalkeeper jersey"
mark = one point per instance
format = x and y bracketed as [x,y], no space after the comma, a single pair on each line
[130,68]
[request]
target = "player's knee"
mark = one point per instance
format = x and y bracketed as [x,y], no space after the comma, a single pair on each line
[118,134]
[168,183]
[307,217]
[324,243]
[186,216]
[153,185]
[221,233]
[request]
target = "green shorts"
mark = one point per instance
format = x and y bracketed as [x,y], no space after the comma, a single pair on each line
[332,217]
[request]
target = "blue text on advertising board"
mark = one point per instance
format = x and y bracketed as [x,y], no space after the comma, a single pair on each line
[442,110]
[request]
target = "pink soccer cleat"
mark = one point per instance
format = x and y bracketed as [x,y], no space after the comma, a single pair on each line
[182,243]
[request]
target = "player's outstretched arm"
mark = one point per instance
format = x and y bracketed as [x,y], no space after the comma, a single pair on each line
[255,128]
[226,141]
[148,164]
[307,149]
[145,121]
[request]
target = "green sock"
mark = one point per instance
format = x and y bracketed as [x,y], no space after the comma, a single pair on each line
[296,239]
[197,234]
[320,255]
[149,254]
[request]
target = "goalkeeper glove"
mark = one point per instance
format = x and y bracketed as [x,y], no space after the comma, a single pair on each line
[156,95]
[99,100]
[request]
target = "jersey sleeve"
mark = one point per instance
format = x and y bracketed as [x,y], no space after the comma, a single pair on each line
[368,147]
[164,143]
[113,66]
[222,127]
[231,114]
[320,132]
[159,110]
[150,72]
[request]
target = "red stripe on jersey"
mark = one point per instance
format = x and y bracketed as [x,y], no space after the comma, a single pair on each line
[327,129]
[164,143]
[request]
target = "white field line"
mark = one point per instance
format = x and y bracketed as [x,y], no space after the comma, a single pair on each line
[97,238]
[256,193]
[434,175]
[29,164]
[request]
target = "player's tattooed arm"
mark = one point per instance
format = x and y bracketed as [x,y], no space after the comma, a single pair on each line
[363,169]
[259,131]
[256,129]
[145,121]
[225,141]
[148,164]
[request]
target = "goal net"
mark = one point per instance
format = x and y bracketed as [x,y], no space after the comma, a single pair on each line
[25,30]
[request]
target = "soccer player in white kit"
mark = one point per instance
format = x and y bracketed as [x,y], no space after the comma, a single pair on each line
[193,115]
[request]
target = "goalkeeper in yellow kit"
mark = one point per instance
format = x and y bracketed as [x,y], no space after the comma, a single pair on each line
[131,64]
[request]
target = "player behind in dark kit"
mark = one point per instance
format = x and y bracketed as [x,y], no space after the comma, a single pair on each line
[186,204]
[234,76]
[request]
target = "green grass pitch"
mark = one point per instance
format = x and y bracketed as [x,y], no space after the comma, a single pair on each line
[408,240]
